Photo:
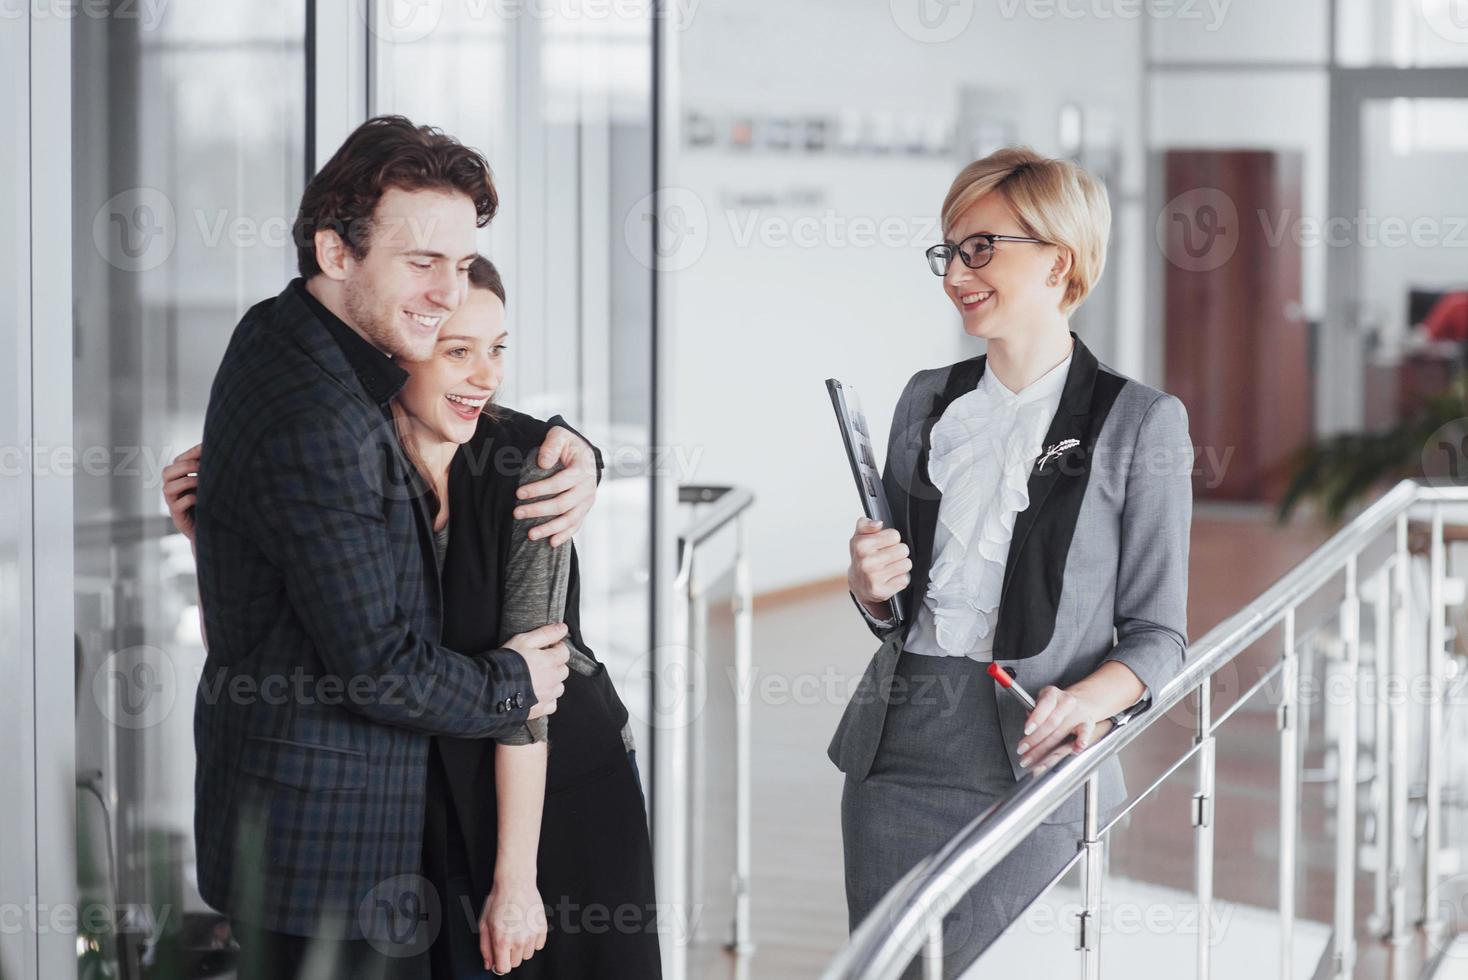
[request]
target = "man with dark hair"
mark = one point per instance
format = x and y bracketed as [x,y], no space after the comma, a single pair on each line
[325,679]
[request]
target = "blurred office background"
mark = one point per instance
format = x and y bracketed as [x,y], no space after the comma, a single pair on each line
[708,208]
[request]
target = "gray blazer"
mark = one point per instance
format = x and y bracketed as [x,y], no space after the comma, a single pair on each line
[1098,564]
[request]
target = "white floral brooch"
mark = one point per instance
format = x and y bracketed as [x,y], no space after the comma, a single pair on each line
[1055,451]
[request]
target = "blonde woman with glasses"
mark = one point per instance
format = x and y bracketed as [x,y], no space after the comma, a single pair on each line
[1042,504]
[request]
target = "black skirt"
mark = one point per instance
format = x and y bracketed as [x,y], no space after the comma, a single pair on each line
[594,866]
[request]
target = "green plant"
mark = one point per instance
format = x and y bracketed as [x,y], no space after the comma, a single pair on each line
[1338,472]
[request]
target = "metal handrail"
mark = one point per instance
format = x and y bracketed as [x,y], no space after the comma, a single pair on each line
[910,914]
[678,737]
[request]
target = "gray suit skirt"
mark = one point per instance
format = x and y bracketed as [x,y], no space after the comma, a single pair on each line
[940,763]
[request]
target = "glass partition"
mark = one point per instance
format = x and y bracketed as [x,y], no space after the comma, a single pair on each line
[188,128]
[557,97]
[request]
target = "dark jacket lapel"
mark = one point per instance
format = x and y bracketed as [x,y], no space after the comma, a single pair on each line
[1035,570]
[311,335]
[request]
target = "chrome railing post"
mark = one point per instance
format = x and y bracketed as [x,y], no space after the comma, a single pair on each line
[1094,846]
[743,665]
[1345,852]
[680,685]
[1289,795]
[1203,823]
[671,665]
[933,951]
[1432,923]
[1399,772]
[697,731]
[1381,746]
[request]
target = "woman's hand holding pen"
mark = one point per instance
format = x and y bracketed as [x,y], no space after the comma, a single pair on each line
[1062,722]
[880,567]
[1066,720]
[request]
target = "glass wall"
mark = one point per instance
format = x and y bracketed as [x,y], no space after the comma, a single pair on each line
[558,98]
[189,136]
[191,126]
[17,748]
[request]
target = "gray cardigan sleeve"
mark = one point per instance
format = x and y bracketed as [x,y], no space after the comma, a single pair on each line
[536,578]
[1152,569]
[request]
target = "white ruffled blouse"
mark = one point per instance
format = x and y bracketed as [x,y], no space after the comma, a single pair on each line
[983,449]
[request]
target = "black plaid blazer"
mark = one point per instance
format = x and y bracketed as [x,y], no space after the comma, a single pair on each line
[324,679]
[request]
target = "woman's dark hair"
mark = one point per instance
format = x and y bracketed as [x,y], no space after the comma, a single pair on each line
[385,152]
[484,275]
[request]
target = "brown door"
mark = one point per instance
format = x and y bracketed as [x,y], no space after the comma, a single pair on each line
[1236,344]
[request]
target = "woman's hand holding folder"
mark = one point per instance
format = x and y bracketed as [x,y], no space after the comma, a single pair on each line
[880,567]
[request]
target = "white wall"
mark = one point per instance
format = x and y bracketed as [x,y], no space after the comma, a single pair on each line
[757,327]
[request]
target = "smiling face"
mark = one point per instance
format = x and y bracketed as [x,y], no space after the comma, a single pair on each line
[415,272]
[447,391]
[1011,293]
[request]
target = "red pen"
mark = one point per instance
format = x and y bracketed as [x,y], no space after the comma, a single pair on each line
[1003,678]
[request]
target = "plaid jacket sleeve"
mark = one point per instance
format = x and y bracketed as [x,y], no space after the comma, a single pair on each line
[319,514]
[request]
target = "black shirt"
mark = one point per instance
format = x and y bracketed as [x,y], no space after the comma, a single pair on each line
[380,375]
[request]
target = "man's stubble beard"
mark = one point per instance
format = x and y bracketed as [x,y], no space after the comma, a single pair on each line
[377,323]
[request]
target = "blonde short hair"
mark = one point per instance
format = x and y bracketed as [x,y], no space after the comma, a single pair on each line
[1053,200]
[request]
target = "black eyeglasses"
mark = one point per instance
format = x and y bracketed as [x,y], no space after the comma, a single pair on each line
[975,251]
